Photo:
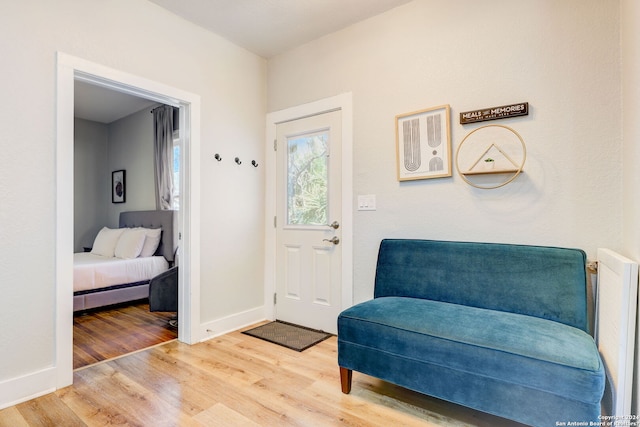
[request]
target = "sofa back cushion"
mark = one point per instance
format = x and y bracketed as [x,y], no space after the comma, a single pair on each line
[545,282]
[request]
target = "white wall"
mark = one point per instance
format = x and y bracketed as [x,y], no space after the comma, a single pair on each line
[630,23]
[91,181]
[137,37]
[561,57]
[100,149]
[630,42]
[131,149]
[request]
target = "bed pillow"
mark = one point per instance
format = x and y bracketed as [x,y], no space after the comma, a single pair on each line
[130,243]
[106,241]
[151,242]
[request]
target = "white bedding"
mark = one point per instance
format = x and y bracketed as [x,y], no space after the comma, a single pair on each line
[92,271]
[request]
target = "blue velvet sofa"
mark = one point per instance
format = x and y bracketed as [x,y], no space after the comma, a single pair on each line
[495,327]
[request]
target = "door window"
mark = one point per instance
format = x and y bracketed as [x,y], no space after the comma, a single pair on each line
[307,179]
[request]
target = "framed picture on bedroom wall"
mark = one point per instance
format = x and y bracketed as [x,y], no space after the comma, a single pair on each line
[118,189]
[423,144]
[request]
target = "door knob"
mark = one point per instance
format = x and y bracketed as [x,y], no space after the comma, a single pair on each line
[333,240]
[335,225]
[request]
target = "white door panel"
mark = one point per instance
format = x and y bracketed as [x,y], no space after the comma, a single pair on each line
[308,252]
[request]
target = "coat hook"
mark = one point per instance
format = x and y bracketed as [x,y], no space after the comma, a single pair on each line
[238,161]
[217,157]
[254,163]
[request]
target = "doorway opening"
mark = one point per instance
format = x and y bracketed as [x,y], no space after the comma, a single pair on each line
[114,131]
[70,70]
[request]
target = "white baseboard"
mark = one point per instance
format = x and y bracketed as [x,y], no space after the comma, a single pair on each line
[36,384]
[27,387]
[231,323]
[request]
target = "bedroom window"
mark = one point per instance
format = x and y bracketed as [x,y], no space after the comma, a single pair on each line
[175,203]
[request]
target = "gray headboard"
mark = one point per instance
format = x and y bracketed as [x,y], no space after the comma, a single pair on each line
[167,220]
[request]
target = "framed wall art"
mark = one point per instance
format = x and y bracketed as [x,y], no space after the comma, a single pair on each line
[423,144]
[118,189]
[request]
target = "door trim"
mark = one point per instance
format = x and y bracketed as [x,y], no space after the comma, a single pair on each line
[342,102]
[69,69]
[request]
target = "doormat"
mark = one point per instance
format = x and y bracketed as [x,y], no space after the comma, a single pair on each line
[288,335]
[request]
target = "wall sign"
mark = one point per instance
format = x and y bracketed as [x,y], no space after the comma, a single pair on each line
[495,113]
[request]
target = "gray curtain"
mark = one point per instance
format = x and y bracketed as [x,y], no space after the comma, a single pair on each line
[163,140]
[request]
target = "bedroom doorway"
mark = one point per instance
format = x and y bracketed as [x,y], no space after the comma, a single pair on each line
[71,69]
[115,131]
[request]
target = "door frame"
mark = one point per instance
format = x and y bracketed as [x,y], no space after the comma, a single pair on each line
[342,102]
[70,69]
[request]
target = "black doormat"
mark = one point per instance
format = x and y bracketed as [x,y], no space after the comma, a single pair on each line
[288,335]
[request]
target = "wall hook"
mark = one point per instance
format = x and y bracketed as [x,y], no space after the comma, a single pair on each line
[254,163]
[217,157]
[238,161]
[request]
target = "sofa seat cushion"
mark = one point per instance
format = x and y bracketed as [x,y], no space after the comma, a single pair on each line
[508,347]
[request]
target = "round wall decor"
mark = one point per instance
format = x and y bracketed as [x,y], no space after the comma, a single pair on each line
[489,152]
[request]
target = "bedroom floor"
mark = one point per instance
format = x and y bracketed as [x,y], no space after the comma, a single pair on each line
[104,334]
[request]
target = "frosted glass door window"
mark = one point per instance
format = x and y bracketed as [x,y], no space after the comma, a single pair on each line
[307,179]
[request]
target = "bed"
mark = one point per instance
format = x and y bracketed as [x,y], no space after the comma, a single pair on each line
[101,278]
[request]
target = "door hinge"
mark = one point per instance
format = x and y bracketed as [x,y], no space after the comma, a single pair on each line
[275,145]
[275,298]
[179,236]
[275,221]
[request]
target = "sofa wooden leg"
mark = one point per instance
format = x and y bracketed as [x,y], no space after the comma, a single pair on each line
[345,379]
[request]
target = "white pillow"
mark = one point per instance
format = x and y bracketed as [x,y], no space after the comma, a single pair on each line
[130,243]
[151,242]
[106,241]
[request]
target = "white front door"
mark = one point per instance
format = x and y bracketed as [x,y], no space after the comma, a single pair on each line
[308,232]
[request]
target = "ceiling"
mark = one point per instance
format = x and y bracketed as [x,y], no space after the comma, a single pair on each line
[264,27]
[270,27]
[103,105]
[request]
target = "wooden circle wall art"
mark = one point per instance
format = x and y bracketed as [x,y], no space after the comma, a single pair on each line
[491,156]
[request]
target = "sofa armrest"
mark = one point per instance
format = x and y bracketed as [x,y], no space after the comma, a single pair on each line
[163,291]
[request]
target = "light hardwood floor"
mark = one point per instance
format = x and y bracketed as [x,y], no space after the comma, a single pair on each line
[233,380]
[114,331]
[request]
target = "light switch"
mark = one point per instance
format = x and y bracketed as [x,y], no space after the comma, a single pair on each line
[367,202]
